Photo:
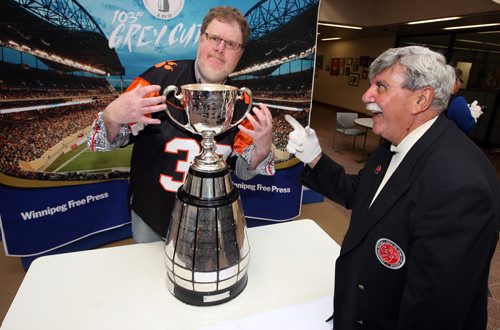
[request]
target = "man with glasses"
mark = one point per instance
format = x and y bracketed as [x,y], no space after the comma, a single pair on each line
[163,151]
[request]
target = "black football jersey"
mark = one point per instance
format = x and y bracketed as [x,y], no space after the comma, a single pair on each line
[163,153]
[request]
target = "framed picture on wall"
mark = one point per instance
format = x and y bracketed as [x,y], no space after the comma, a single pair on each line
[354,79]
[364,60]
[348,61]
[364,74]
[326,61]
[319,61]
[335,67]
[347,70]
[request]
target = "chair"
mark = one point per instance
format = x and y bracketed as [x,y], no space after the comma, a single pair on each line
[346,126]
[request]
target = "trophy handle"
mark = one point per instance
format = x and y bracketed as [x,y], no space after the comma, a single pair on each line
[168,90]
[243,91]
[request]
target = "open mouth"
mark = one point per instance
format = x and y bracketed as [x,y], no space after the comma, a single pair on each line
[374,109]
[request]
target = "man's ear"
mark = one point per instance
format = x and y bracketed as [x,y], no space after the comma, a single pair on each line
[423,99]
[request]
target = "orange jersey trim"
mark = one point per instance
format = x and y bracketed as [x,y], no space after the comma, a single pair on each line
[243,141]
[139,82]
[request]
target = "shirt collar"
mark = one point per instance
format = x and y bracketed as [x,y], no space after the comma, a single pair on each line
[404,146]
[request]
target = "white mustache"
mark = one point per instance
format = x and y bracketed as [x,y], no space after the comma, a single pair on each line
[373,107]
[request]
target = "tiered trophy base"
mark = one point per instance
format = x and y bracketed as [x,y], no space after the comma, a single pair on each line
[206,248]
[207,299]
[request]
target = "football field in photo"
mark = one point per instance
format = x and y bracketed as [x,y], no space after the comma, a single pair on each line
[81,159]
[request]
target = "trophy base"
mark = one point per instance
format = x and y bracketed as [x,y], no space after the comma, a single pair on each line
[206,298]
[206,248]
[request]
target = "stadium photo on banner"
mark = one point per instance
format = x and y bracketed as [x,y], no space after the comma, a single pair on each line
[63,64]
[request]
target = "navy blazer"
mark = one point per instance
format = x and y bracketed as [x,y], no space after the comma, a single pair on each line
[419,257]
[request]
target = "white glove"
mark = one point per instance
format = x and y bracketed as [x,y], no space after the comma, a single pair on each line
[302,142]
[475,110]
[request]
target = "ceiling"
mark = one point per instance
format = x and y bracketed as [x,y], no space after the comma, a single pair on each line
[407,30]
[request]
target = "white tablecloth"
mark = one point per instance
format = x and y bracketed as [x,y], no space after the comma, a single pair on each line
[124,287]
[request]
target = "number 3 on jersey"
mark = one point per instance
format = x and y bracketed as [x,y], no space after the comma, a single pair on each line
[192,149]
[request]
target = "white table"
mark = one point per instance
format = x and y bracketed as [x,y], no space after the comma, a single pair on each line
[365,122]
[124,287]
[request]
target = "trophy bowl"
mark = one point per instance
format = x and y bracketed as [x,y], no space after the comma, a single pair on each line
[209,110]
[209,107]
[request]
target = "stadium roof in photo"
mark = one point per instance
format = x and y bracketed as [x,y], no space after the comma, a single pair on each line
[60,33]
[280,30]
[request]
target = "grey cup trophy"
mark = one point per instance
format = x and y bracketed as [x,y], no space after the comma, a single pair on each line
[206,247]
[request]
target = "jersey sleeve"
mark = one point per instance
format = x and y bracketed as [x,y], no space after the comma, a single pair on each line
[97,139]
[243,147]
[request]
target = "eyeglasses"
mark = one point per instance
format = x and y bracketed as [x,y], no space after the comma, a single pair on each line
[216,40]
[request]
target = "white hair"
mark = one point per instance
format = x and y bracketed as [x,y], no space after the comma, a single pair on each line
[424,67]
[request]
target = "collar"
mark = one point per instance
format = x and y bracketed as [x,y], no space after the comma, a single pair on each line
[404,146]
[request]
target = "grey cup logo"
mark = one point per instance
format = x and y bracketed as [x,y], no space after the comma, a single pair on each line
[164,9]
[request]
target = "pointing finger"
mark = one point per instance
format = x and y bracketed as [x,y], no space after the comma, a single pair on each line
[293,122]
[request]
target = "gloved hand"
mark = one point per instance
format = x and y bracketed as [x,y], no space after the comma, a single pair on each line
[475,110]
[302,142]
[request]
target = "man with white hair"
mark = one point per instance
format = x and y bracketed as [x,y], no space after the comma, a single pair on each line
[425,207]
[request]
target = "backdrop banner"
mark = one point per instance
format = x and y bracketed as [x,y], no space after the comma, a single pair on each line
[275,198]
[40,220]
[60,69]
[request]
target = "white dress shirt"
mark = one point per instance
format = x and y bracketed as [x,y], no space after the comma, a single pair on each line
[400,152]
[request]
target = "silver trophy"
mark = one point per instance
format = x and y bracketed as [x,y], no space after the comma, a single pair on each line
[206,247]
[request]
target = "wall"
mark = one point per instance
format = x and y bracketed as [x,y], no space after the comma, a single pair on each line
[335,90]
[383,12]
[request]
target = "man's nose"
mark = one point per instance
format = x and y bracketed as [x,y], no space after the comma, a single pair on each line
[368,96]
[221,46]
